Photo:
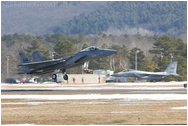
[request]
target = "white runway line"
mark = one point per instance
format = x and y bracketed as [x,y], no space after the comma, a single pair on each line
[19,124]
[40,103]
[53,84]
[96,96]
[150,83]
[30,103]
[94,84]
[98,88]
[185,107]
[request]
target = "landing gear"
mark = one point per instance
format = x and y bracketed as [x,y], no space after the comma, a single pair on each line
[54,76]
[152,80]
[57,76]
[86,65]
[87,71]
[65,77]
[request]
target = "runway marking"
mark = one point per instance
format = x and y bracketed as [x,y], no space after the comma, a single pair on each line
[98,96]
[98,88]
[185,107]
[95,84]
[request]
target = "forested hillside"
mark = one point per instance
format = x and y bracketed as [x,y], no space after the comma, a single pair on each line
[42,18]
[159,17]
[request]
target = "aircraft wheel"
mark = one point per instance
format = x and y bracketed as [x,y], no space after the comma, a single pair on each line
[65,77]
[54,76]
[87,71]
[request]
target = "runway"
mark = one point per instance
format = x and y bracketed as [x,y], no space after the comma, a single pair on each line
[98,91]
[73,89]
[94,104]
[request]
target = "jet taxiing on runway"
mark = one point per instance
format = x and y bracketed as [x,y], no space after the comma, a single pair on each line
[39,66]
[170,71]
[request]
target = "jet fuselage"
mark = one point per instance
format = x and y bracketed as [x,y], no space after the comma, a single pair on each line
[169,71]
[68,62]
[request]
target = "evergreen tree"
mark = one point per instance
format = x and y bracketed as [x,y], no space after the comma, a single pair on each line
[101,63]
[85,46]
[167,47]
[64,48]
[149,64]
[140,58]
[36,45]
[104,46]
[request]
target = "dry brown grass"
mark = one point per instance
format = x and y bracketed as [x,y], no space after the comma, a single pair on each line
[93,112]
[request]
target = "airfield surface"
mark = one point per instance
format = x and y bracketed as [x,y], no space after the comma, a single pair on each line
[101,104]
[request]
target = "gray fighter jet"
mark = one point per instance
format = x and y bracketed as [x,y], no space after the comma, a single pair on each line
[40,66]
[153,76]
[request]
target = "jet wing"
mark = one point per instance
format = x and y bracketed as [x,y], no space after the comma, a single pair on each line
[80,59]
[34,65]
[147,74]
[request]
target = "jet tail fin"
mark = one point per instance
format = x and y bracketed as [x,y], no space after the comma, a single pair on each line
[172,69]
[24,59]
[37,57]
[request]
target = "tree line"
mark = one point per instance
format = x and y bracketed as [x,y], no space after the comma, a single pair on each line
[165,49]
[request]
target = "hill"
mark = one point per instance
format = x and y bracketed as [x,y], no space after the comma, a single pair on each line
[159,17]
[37,17]
[42,18]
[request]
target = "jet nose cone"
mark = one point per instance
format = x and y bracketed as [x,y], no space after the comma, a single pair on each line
[110,52]
[114,51]
[115,75]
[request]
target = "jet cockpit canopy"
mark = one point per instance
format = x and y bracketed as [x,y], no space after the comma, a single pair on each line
[91,48]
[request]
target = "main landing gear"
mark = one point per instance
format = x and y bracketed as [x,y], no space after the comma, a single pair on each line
[58,75]
[65,77]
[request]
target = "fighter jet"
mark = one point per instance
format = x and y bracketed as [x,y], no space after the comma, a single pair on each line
[40,66]
[153,76]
